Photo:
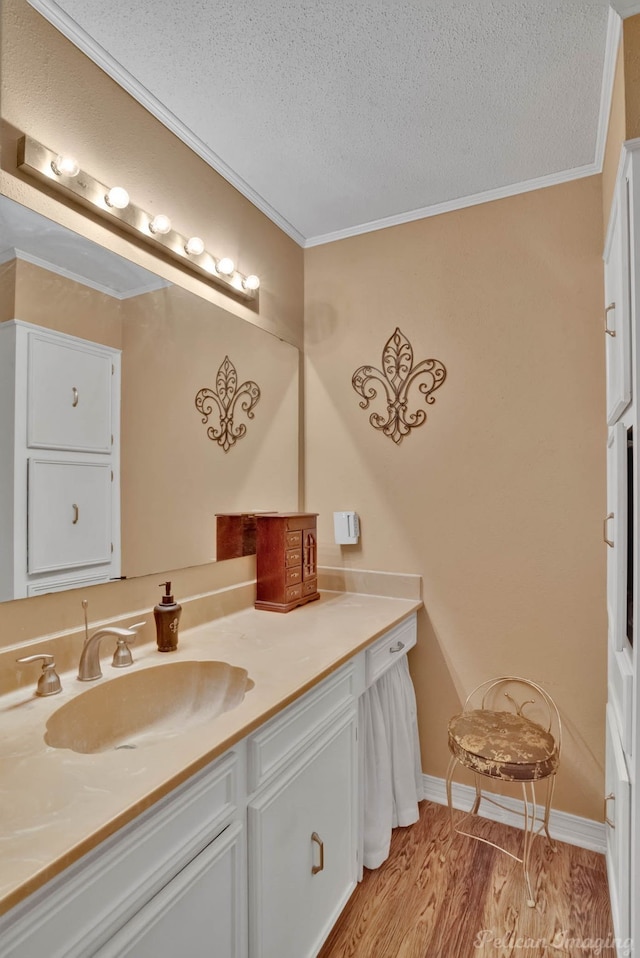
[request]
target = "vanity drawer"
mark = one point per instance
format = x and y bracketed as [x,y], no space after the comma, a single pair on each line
[389,648]
[293,557]
[292,592]
[309,586]
[290,732]
[293,540]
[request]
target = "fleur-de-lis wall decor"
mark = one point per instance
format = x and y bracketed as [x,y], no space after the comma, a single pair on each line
[225,397]
[396,376]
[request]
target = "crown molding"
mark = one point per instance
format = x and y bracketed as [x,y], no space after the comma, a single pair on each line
[70,29]
[476,199]
[614,33]
[625,8]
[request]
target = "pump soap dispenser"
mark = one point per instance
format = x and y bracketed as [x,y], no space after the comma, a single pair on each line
[167,616]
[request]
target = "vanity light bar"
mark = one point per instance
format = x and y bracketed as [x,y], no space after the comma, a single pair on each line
[57,170]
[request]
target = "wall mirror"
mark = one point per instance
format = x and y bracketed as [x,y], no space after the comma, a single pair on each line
[174,479]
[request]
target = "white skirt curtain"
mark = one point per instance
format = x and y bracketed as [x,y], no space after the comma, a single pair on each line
[392,766]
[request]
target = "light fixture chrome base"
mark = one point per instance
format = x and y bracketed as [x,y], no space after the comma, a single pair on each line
[39,161]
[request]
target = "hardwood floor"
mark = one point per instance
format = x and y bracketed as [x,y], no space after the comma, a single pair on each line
[474,904]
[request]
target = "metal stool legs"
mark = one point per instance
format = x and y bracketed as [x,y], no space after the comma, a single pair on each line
[529,812]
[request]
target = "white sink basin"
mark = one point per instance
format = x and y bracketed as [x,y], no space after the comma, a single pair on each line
[147,706]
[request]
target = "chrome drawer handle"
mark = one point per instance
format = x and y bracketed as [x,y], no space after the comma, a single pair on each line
[609,798]
[609,332]
[604,530]
[75,395]
[318,868]
[396,648]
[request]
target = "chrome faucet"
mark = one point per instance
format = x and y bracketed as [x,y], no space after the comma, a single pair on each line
[89,666]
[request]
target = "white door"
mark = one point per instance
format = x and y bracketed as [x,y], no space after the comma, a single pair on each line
[200,914]
[617,306]
[69,514]
[69,395]
[303,849]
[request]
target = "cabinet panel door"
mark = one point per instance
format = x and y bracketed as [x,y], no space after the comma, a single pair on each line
[618,825]
[303,848]
[69,514]
[617,306]
[69,404]
[199,914]
[616,535]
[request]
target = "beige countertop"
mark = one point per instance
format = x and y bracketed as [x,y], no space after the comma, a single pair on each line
[56,804]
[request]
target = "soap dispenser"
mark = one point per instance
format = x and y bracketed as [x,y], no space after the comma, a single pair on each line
[167,616]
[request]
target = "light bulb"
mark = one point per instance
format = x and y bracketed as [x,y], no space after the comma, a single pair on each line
[225,266]
[194,246]
[65,165]
[160,224]
[117,197]
[251,282]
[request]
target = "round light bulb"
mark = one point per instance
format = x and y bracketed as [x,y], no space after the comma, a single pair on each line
[117,197]
[251,282]
[225,266]
[65,165]
[160,224]
[194,246]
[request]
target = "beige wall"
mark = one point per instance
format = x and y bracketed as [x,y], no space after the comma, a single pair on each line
[631,40]
[498,500]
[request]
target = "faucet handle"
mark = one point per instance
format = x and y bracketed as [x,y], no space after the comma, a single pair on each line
[49,681]
[122,656]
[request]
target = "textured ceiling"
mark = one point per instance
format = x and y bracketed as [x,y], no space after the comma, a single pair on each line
[334,114]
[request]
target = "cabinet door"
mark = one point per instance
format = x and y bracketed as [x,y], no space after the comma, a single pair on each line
[69,396]
[303,848]
[618,825]
[69,514]
[615,535]
[199,914]
[617,305]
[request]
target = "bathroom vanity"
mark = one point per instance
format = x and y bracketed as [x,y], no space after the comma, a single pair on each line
[240,836]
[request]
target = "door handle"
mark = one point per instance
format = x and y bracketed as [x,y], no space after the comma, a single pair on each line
[609,798]
[76,396]
[396,648]
[76,513]
[609,332]
[604,530]
[318,841]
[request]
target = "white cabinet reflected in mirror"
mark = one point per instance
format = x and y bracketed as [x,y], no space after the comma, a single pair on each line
[171,344]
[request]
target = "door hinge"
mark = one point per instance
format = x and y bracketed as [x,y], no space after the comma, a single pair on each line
[111,438]
[113,370]
[112,475]
[112,548]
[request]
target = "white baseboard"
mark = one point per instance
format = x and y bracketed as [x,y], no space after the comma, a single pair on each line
[572,829]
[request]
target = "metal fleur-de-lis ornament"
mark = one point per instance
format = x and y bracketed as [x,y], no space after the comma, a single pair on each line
[225,396]
[397,375]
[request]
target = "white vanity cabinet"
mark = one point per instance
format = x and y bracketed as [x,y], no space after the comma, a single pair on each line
[59,474]
[303,819]
[163,878]
[253,857]
[200,913]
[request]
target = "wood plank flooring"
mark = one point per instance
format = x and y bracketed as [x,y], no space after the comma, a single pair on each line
[474,904]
